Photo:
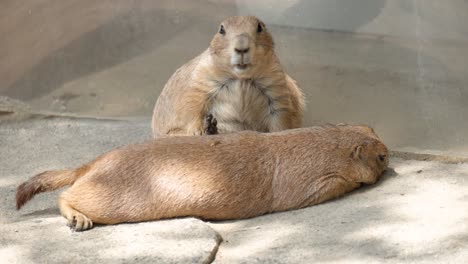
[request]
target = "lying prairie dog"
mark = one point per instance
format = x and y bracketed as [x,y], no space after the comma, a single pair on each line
[238,80]
[233,176]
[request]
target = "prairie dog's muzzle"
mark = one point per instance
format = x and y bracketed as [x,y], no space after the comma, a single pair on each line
[241,52]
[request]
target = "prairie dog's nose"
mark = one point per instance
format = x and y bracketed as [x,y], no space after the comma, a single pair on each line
[241,51]
[241,44]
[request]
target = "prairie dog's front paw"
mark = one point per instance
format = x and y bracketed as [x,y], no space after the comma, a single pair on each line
[211,125]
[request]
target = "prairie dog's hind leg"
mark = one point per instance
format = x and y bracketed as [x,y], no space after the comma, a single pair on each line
[76,220]
[210,125]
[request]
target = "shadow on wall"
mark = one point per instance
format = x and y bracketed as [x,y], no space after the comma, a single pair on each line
[334,14]
[125,36]
[409,95]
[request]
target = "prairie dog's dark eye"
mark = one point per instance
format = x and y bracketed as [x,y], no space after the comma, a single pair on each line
[259,28]
[382,157]
[221,30]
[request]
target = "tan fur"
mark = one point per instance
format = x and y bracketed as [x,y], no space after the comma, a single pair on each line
[260,98]
[233,176]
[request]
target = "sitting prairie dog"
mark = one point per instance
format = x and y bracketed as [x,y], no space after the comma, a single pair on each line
[238,80]
[233,176]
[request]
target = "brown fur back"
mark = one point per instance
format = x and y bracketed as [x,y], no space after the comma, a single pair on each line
[225,176]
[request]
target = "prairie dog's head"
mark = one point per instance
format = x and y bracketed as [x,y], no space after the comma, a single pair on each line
[371,160]
[242,46]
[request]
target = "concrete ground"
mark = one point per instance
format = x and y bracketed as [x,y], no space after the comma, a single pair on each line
[417,213]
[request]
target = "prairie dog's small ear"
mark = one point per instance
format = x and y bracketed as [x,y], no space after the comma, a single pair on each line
[356,154]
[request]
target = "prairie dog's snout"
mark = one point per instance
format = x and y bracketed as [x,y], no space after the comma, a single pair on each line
[241,51]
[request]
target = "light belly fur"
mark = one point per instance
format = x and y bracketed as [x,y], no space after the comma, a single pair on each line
[241,105]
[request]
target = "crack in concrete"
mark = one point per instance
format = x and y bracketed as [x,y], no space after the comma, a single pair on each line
[214,251]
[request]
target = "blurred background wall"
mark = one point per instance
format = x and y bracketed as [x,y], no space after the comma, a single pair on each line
[398,65]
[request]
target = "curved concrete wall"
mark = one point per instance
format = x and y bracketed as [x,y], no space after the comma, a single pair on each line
[397,65]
